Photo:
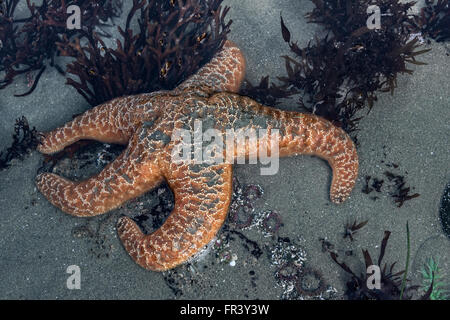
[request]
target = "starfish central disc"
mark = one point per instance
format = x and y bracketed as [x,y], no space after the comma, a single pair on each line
[146,124]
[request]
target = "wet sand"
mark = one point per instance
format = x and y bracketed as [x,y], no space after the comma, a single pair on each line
[410,129]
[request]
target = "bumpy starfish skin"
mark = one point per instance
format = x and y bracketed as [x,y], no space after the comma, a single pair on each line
[202,191]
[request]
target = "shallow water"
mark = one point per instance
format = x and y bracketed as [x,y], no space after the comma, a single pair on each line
[410,129]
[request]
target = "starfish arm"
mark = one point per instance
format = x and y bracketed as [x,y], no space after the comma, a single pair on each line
[202,198]
[127,177]
[313,135]
[111,122]
[225,71]
[299,134]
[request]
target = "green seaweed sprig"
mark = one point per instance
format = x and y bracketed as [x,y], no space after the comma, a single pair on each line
[432,273]
[408,253]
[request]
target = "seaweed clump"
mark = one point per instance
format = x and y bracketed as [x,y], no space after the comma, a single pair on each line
[395,186]
[431,273]
[390,283]
[434,20]
[265,92]
[402,192]
[24,141]
[175,39]
[29,44]
[352,229]
[340,74]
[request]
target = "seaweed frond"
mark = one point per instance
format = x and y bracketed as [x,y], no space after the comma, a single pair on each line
[431,274]
[175,38]
[265,93]
[401,192]
[24,141]
[352,229]
[390,282]
[341,73]
[434,20]
[29,44]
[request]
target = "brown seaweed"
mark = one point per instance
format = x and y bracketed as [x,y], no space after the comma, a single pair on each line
[352,229]
[434,20]
[375,185]
[390,281]
[267,93]
[401,192]
[25,140]
[29,44]
[339,75]
[51,160]
[175,38]
[397,183]
[250,245]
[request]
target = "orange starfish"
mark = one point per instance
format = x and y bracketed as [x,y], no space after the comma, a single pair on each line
[146,123]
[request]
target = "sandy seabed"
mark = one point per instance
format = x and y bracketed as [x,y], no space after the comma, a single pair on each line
[410,128]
